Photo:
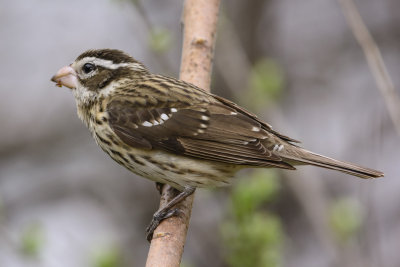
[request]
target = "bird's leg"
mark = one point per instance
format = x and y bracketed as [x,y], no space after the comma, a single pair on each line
[167,211]
[159,187]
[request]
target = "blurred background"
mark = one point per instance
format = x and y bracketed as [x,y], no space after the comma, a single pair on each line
[63,202]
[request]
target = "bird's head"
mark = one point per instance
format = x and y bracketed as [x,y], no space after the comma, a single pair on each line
[97,72]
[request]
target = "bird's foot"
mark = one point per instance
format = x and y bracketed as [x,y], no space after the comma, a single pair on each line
[158,217]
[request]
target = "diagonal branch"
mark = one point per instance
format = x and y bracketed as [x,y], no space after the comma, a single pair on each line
[375,61]
[200,23]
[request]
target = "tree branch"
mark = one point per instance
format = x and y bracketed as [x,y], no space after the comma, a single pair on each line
[375,61]
[200,23]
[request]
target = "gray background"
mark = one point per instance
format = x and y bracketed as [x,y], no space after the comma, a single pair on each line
[52,173]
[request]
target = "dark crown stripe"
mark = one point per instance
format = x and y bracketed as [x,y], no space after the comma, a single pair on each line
[116,56]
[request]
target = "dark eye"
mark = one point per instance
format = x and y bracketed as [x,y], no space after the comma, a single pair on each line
[88,67]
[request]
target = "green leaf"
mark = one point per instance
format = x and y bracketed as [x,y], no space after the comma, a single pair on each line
[108,257]
[32,240]
[265,83]
[253,237]
[252,191]
[160,40]
[346,218]
[257,242]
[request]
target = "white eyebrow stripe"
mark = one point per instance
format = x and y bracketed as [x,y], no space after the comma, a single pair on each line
[106,63]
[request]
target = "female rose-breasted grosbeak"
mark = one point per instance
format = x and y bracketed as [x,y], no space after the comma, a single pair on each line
[173,132]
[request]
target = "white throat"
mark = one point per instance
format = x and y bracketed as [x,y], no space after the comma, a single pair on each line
[85,99]
[83,96]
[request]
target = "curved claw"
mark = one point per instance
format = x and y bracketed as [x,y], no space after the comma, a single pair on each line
[158,217]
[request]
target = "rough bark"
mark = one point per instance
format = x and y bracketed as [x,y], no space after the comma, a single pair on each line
[199,25]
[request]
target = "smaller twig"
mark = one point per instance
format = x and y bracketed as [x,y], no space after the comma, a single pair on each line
[375,61]
[150,27]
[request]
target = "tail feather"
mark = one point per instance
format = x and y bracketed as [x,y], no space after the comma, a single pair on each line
[308,157]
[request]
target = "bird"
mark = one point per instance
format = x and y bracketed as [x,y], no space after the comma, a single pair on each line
[173,132]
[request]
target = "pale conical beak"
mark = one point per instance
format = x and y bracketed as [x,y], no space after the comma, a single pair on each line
[65,76]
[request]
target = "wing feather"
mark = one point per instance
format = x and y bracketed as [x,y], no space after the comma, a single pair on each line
[208,128]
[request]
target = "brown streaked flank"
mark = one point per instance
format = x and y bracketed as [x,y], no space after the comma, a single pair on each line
[173,132]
